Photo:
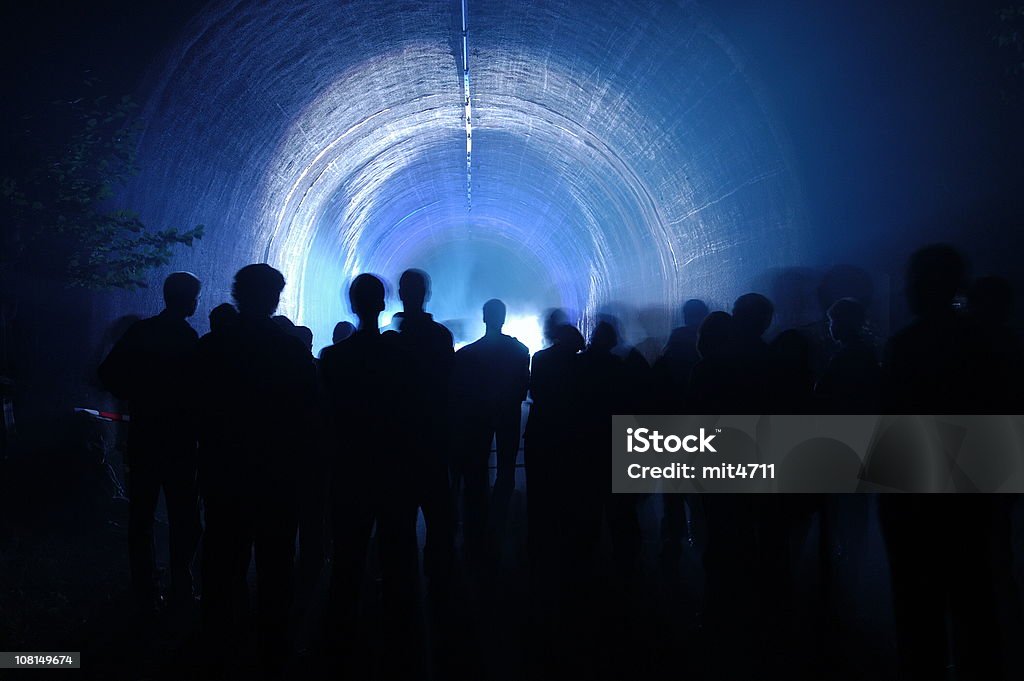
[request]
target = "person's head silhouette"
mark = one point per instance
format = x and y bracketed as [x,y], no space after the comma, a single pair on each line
[414,290]
[753,314]
[846,320]
[366,294]
[716,336]
[569,338]
[342,330]
[181,294]
[694,312]
[305,334]
[284,322]
[494,316]
[604,337]
[792,351]
[554,319]
[257,290]
[934,275]
[223,317]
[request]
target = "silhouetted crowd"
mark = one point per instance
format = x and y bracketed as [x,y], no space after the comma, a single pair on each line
[279,453]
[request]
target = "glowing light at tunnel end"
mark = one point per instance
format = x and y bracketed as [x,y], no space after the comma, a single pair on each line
[526,328]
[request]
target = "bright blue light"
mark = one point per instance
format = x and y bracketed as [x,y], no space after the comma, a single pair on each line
[527,329]
[610,161]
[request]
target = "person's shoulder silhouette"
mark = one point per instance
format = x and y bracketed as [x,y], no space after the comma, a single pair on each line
[673,368]
[601,373]
[683,340]
[254,365]
[931,366]
[429,346]
[363,379]
[147,365]
[990,303]
[793,378]
[362,372]
[258,390]
[851,381]
[494,342]
[550,367]
[415,322]
[552,379]
[714,383]
[752,314]
[496,367]
[429,357]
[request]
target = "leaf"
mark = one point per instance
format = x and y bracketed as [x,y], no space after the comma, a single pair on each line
[60,205]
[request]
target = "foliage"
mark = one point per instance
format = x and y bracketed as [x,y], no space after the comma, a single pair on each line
[61,218]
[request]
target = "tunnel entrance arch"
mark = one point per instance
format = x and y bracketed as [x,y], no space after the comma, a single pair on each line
[634,162]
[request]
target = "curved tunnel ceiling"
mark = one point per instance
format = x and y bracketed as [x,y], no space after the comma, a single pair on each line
[618,151]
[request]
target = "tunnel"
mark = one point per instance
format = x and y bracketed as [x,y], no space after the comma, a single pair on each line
[178,501]
[571,154]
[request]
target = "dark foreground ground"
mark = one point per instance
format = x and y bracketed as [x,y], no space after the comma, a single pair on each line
[64,587]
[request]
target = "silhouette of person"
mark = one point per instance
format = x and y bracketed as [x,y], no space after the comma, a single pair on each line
[548,446]
[491,379]
[939,545]
[430,358]
[554,320]
[852,381]
[342,330]
[652,320]
[793,389]
[147,367]
[222,317]
[930,366]
[603,389]
[599,390]
[672,372]
[839,281]
[732,377]
[547,440]
[373,467]
[256,387]
[786,518]
[753,315]
[312,502]
[313,482]
[715,380]
[638,380]
[285,323]
[989,304]
[761,384]
[305,336]
[673,368]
